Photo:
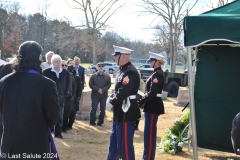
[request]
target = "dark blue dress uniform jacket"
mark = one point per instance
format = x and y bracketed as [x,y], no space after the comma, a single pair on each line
[127,83]
[154,86]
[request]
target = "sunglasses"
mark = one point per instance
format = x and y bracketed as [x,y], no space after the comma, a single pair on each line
[64,65]
[100,66]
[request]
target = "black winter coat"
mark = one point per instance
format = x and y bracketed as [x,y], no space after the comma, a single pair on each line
[78,93]
[154,86]
[62,82]
[4,70]
[29,105]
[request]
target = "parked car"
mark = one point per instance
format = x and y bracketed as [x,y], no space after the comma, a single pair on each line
[172,80]
[110,66]
[145,67]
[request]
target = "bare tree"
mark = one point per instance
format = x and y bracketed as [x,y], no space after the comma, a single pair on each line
[172,13]
[3,17]
[96,17]
[214,4]
[43,8]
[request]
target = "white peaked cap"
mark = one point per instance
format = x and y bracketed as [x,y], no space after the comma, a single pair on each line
[121,50]
[155,56]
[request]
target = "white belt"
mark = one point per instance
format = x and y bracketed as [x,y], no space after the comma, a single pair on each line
[132,97]
[158,95]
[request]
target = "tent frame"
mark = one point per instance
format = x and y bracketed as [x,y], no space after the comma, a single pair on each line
[191,57]
[191,82]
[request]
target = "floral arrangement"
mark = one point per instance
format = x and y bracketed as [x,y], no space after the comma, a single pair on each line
[172,141]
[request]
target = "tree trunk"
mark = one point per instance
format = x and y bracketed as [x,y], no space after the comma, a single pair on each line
[171,46]
[1,42]
[94,50]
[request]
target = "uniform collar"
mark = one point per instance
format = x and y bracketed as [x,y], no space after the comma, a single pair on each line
[126,65]
[157,69]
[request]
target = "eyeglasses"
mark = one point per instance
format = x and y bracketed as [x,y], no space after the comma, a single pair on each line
[100,66]
[64,65]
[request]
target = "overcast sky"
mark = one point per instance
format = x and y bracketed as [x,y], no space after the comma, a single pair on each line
[125,23]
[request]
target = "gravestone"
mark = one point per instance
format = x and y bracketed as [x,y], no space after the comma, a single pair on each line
[85,106]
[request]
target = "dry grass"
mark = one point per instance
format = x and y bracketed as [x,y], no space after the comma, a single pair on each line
[85,142]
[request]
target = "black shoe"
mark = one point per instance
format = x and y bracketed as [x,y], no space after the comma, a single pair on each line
[99,124]
[92,124]
[64,130]
[58,136]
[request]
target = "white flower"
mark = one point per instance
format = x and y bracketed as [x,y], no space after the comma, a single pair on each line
[176,121]
[180,144]
[172,151]
[173,136]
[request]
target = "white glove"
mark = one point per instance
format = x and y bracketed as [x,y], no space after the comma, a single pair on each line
[109,106]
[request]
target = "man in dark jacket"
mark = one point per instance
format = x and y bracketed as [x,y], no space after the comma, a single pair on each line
[124,114]
[80,70]
[99,82]
[29,105]
[69,101]
[77,94]
[61,77]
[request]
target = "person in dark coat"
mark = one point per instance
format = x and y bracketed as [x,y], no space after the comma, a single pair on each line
[61,78]
[69,100]
[29,105]
[77,95]
[153,105]
[80,70]
[124,114]
[5,69]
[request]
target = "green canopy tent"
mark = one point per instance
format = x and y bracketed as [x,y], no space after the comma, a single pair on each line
[213,44]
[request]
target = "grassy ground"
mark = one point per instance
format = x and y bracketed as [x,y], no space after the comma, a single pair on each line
[86,142]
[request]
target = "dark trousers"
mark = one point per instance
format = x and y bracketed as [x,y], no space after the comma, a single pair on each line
[150,136]
[58,126]
[127,142]
[67,111]
[71,119]
[95,102]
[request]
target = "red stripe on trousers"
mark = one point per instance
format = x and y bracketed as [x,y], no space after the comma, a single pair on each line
[150,137]
[125,141]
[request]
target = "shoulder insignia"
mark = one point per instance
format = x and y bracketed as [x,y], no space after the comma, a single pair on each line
[126,80]
[155,80]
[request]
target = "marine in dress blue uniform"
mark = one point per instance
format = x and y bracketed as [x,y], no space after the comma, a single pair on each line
[153,105]
[127,84]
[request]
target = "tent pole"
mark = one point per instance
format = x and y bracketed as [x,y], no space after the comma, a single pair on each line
[192,107]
